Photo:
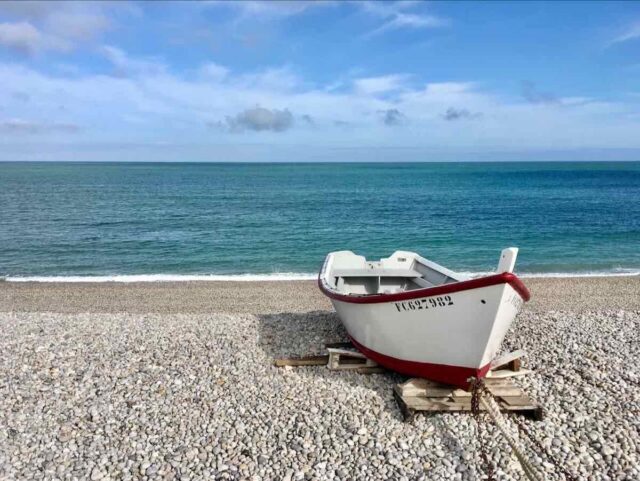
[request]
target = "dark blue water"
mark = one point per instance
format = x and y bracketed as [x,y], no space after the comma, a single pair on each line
[87,219]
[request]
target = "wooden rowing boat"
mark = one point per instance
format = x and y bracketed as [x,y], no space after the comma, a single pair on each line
[418,318]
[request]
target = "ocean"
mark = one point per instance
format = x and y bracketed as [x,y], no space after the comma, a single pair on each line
[172,221]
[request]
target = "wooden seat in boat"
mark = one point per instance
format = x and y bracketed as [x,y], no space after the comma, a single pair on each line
[376,272]
[422,282]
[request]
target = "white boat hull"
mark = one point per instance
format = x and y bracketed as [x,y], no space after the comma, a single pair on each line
[447,333]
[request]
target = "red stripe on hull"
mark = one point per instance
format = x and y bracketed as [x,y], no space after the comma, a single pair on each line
[503,278]
[454,375]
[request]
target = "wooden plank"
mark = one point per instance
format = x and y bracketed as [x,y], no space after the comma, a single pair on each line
[496,391]
[508,358]
[339,345]
[345,359]
[434,391]
[346,352]
[521,400]
[506,391]
[505,373]
[338,359]
[425,404]
[445,404]
[426,388]
[437,392]
[375,272]
[515,365]
[407,412]
[417,386]
[302,361]
[498,382]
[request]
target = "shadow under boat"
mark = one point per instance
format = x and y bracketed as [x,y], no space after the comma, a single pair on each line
[295,334]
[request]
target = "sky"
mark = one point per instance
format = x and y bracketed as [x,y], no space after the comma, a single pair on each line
[319,81]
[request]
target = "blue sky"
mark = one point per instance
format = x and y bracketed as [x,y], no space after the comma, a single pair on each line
[320,81]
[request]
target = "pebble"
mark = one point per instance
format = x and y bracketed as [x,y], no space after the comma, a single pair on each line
[195,396]
[96,474]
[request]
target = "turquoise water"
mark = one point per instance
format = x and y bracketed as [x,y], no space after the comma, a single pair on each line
[110,219]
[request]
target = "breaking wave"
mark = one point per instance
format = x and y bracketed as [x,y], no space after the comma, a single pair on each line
[279,276]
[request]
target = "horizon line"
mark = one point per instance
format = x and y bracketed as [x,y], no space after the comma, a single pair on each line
[231,162]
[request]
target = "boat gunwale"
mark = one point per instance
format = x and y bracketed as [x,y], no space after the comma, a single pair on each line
[486,281]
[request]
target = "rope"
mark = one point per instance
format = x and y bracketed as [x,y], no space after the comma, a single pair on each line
[475,409]
[480,394]
[494,411]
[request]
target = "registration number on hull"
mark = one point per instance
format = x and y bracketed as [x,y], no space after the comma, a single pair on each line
[420,304]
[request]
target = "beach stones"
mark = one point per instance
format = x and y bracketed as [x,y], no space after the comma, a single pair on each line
[123,396]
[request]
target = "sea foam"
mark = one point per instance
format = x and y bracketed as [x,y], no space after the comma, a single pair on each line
[127,278]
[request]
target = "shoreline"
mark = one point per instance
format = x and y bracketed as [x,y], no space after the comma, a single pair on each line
[193,297]
[278,277]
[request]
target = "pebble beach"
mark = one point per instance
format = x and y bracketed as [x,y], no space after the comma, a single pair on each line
[164,381]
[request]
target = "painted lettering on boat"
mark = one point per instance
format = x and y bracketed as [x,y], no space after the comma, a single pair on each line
[421,304]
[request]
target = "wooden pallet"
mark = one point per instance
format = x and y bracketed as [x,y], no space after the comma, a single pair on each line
[341,356]
[302,361]
[347,359]
[421,395]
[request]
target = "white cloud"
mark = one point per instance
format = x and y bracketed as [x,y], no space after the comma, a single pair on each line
[632,32]
[36,27]
[165,105]
[449,88]
[569,101]
[404,20]
[278,78]
[274,9]
[25,38]
[213,71]
[532,94]
[77,25]
[21,126]
[261,119]
[392,117]
[35,10]
[378,85]
[452,114]
[396,17]
[20,36]
[125,66]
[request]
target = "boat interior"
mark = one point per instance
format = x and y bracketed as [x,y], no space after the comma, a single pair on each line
[348,273]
